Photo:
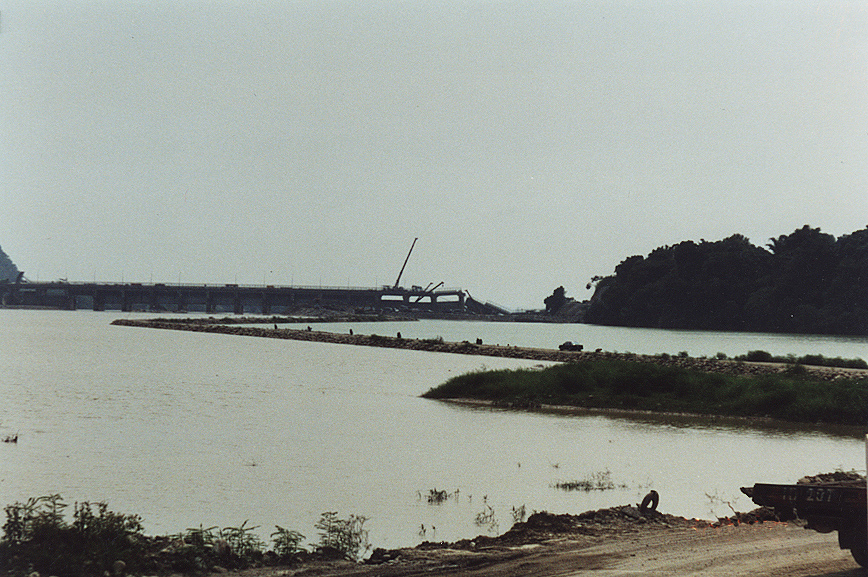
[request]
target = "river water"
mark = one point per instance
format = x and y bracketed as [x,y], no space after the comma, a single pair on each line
[190,428]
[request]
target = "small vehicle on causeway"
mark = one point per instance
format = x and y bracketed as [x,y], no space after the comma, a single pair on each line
[829,502]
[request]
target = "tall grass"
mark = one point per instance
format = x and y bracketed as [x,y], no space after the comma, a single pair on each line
[623,384]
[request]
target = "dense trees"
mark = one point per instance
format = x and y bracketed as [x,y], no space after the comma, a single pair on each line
[804,282]
[556,300]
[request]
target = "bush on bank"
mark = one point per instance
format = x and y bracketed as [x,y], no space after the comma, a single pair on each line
[811,360]
[620,384]
[37,537]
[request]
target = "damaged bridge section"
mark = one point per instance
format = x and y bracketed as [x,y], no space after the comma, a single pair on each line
[229,298]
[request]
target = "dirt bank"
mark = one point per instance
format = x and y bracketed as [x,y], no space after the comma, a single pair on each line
[616,541]
[468,348]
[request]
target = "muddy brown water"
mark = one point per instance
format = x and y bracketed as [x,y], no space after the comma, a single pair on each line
[188,429]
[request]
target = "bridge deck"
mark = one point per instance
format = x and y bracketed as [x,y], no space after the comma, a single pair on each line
[267,299]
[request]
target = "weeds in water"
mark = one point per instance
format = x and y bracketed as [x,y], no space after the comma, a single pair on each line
[486,518]
[518,514]
[599,481]
[437,496]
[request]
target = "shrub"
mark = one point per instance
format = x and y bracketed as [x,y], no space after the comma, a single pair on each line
[243,543]
[286,542]
[758,356]
[37,538]
[346,536]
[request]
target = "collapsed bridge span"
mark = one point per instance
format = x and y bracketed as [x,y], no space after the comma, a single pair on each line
[234,298]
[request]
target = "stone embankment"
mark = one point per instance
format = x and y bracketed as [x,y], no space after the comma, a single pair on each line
[438,345]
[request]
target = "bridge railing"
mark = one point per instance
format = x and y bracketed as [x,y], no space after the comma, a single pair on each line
[186,285]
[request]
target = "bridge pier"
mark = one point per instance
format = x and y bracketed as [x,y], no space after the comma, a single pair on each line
[181,301]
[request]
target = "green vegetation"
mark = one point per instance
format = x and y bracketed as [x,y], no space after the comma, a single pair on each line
[347,537]
[805,282]
[811,360]
[37,537]
[556,300]
[632,385]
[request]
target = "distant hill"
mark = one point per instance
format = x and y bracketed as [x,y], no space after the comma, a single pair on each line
[805,282]
[8,270]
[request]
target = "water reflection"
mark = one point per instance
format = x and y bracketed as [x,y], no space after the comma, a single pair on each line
[769,427]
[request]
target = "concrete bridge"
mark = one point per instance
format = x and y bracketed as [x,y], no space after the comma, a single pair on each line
[229,298]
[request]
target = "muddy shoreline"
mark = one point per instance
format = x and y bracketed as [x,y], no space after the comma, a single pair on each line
[616,541]
[731,367]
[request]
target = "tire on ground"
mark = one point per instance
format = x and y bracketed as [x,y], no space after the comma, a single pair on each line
[649,503]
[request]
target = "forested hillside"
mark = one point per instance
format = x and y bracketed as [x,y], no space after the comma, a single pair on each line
[805,282]
[8,270]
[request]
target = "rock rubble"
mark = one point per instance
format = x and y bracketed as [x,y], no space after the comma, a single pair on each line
[468,348]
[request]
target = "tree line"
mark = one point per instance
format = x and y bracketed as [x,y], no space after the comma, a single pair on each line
[804,282]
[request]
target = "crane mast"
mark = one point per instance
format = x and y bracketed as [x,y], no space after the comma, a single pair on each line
[397,282]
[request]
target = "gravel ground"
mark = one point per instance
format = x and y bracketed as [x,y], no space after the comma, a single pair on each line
[615,541]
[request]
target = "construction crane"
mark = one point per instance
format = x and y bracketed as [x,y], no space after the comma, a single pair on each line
[397,282]
[428,290]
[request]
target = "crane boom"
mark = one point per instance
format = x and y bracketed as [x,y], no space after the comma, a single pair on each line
[397,282]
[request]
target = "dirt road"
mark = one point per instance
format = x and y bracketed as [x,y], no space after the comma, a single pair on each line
[764,549]
[565,546]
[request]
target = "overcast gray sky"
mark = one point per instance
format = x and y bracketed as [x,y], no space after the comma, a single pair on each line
[527,144]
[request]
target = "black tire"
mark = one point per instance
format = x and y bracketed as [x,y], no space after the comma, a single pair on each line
[860,553]
[856,541]
[649,503]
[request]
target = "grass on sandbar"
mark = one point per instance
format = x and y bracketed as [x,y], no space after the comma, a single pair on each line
[790,396]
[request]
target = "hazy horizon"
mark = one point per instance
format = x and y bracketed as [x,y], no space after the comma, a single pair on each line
[527,145]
